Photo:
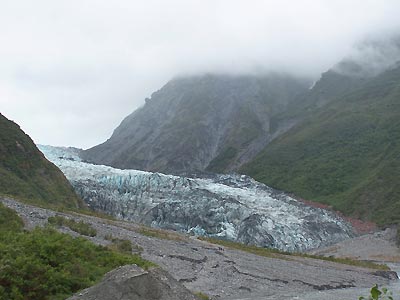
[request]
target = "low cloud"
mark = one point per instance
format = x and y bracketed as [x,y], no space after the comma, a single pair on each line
[71,70]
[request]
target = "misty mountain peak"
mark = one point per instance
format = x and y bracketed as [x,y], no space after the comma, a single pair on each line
[371,57]
[196,123]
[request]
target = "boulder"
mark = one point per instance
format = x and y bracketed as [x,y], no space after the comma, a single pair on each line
[133,283]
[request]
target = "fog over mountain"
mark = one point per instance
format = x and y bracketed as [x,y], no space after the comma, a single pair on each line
[71,72]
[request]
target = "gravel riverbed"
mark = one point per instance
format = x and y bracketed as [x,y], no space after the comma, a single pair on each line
[224,273]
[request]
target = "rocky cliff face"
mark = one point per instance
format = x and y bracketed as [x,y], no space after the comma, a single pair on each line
[199,123]
[228,206]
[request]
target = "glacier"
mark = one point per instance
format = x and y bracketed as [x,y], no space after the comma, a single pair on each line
[233,207]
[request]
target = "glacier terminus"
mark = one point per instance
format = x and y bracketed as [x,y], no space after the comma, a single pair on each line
[233,207]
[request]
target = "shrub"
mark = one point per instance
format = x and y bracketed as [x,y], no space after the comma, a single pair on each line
[9,220]
[108,237]
[79,227]
[377,294]
[202,296]
[45,264]
[122,246]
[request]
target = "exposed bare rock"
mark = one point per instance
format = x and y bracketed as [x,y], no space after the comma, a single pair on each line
[214,122]
[133,283]
[377,246]
[224,273]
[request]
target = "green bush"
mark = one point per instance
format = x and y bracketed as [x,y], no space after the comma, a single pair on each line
[108,237]
[79,227]
[201,296]
[45,264]
[9,220]
[121,245]
[377,294]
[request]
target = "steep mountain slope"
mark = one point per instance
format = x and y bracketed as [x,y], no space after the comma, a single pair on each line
[346,153]
[332,85]
[369,59]
[210,122]
[25,172]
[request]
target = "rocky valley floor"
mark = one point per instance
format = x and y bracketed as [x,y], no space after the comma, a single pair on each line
[224,273]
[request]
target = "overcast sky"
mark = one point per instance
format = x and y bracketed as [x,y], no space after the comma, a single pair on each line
[71,70]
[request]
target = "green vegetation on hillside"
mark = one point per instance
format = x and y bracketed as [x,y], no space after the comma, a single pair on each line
[44,264]
[199,123]
[9,221]
[27,175]
[346,154]
[246,128]
[222,161]
[79,227]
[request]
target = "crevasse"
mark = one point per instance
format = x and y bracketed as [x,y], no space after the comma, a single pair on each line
[233,207]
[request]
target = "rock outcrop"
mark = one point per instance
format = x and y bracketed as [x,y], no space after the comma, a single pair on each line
[133,283]
[210,122]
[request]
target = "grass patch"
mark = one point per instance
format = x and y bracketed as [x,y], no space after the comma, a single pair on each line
[347,261]
[275,253]
[122,245]
[90,213]
[79,227]
[201,296]
[160,234]
[266,252]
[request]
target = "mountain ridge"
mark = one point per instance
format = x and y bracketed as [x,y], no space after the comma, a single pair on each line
[210,122]
[26,174]
[345,154]
[334,143]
